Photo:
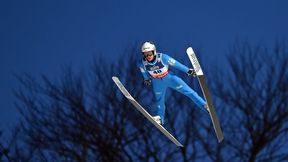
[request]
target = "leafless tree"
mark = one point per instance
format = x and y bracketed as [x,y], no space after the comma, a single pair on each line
[84,117]
[252,92]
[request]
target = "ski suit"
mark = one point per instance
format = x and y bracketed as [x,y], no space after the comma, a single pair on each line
[158,71]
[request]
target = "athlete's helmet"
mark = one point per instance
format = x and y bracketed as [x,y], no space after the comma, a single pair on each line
[148,46]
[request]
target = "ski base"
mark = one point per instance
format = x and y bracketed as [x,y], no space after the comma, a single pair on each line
[206,93]
[144,112]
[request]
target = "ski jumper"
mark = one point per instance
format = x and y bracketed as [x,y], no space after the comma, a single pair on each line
[158,71]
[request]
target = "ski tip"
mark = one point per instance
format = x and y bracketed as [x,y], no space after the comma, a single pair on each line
[189,51]
[115,79]
[220,139]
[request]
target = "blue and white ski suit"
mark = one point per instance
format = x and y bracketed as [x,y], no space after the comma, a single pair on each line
[159,73]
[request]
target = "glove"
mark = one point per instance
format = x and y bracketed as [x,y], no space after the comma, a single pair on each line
[147,82]
[191,72]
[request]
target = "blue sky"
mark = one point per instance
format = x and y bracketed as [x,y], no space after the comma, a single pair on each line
[38,37]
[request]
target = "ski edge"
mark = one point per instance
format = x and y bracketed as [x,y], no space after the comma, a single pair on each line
[213,114]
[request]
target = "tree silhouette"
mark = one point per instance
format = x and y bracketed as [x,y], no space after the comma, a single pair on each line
[255,98]
[84,117]
[76,119]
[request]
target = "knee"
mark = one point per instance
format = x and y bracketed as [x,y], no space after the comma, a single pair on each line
[159,96]
[187,91]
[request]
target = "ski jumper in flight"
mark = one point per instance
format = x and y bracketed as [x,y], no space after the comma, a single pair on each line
[155,68]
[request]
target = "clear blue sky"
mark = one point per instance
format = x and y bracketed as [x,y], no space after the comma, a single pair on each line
[38,37]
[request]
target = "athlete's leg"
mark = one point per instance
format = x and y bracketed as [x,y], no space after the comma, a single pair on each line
[179,85]
[159,89]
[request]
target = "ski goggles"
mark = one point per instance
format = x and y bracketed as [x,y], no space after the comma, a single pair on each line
[148,54]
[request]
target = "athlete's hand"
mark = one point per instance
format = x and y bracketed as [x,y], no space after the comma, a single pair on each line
[147,82]
[191,72]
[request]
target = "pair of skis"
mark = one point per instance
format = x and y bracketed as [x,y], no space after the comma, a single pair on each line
[205,91]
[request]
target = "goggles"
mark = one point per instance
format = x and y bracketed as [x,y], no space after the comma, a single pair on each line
[148,54]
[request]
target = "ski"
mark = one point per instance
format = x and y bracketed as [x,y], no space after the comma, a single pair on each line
[206,93]
[144,112]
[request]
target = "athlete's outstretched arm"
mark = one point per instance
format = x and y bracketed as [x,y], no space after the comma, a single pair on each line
[174,63]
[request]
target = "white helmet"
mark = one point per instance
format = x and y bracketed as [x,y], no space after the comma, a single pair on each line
[148,46]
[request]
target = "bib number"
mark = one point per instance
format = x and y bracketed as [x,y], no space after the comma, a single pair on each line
[157,71]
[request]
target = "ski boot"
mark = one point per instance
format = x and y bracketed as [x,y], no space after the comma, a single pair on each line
[157,118]
[206,108]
